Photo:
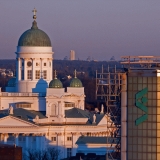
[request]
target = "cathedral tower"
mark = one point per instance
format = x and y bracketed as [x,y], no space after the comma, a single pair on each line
[34,60]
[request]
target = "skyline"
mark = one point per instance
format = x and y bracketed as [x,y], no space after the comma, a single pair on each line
[99,29]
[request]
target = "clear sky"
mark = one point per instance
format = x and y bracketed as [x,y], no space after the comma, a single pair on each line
[95,28]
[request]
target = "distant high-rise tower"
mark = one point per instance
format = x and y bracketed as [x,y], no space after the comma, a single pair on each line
[72,55]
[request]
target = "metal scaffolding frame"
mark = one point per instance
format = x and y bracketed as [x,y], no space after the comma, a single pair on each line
[108,92]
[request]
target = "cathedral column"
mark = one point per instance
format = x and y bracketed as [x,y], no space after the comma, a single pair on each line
[33,69]
[59,109]
[38,142]
[5,138]
[50,69]
[74,138]
[19,69]
[16,139]
[25,69]
[63,110]
[41,71]
[27,141]
[43,146]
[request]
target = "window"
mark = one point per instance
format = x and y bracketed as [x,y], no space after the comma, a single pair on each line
[37,64]
[29,74]
[37,74]
[53,139]
[23,105]
[22,74]
[69,104]
[69,138]
[45,64]
[53,110]
[69,152]
[44,74]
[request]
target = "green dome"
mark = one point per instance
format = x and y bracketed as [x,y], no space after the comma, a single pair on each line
[76,83]
[12,82]
[34,37]
[55,83]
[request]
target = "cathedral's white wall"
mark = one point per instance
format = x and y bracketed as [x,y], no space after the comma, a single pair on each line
[31,86]
[55,91]
[37,103]
[74,90]
[29,49]
[41,137]
[28,75]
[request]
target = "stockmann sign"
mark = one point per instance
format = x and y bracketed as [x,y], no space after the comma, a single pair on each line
[141,101]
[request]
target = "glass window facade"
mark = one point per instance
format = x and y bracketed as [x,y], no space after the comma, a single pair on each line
[143,127]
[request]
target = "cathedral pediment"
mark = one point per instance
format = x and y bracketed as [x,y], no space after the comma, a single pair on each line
[10,121]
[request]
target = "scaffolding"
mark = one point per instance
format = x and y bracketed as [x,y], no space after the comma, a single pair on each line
[108,92]
[140,61]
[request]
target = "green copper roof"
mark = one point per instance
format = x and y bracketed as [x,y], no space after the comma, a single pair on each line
[12,82]
[34,37]
[76,83]
[55,83]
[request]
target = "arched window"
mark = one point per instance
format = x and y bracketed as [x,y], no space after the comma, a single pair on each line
[53,110]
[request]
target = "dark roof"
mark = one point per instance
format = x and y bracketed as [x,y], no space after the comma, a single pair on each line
[95,140]
[79,113]
[24,114]
[29,115]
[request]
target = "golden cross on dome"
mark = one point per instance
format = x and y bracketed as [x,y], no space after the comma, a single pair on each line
[34,13]
[55,74]
[75,76]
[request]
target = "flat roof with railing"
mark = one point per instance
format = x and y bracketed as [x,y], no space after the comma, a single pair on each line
[143,61]
[16,94]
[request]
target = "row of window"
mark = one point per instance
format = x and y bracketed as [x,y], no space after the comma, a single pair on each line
[148,125]
[37,74]
[29,64]
[54,139]
[141,156]
[143,79]
[21,105]
[69,150]
[143,133]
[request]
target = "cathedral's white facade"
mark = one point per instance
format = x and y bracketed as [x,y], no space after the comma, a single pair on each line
[35,110]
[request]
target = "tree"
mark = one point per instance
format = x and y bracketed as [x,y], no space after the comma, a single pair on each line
[48,154]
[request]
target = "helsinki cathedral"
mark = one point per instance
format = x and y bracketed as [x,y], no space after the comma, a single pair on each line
[36,112]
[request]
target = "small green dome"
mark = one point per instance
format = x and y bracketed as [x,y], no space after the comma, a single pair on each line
[12,82]
[55,83]
[76,83]
[34,37]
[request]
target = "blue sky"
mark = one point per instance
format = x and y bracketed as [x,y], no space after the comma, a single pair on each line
[95,28]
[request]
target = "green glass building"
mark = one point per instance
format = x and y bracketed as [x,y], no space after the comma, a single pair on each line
[143,114]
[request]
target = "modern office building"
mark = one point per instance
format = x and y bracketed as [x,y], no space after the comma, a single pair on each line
[141,116]
[132,96]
